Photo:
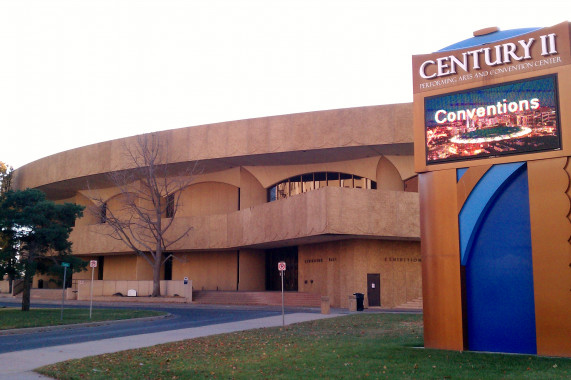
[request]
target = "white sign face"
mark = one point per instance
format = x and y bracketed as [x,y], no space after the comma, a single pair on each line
[93,263]
[281,266]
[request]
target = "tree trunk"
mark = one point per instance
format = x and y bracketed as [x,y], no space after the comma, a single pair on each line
[27,287]
[157,276]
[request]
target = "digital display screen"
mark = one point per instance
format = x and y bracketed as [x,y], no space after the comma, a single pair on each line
[510,118]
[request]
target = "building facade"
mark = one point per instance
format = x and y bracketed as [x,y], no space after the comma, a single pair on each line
[331,193]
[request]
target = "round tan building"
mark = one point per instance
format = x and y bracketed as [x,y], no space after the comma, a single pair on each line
[331,193]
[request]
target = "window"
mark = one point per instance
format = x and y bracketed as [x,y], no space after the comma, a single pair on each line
[311,181]
[170,206]
[103,213]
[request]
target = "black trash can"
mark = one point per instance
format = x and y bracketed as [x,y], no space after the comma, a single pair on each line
[359,297]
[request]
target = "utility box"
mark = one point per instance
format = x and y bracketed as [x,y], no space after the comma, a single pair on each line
[325,305]
[131,293]
[352,303]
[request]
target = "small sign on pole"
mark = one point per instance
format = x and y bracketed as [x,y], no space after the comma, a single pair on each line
[93,265]
[282,268]
[65,266]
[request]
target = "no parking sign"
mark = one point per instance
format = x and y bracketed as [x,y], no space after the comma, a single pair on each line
[282,268]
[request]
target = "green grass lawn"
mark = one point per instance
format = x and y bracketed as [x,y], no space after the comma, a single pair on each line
[15,318]
[356,346]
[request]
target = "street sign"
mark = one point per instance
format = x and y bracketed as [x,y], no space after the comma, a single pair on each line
[65,266]
[282,268]
[93,265]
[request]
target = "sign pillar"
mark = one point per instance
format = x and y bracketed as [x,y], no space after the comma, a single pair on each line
[282,268]
[93,265]
[65,266]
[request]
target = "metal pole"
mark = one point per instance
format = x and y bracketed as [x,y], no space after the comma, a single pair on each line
[63,292]
[91,293]
[283,314]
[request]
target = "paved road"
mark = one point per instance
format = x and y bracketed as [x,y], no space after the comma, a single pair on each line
[187,316]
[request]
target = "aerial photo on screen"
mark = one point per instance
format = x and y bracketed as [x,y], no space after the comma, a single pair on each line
[511,118]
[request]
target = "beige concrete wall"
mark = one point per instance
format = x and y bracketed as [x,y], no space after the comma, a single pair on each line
[89,216]
[209,198]
[143,288]
[47,283]
[118,205]
[145,270]
[252,270]
[207,270]
[86,274]
[4,286]
[339,269]
[404,164]
[352,127]
[123,267]
[330,210]
[252,192]
[388,177]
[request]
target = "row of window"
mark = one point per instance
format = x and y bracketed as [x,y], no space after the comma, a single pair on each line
[311,181]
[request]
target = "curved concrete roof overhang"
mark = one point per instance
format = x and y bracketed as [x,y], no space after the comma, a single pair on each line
[312,137]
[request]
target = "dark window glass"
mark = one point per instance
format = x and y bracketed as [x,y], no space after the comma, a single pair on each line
[168,268]
[101,261]
[320,180]
[307,182]
[333,179]
[272,194]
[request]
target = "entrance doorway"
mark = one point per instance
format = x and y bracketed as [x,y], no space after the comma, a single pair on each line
[273,278]
[374,289]
[168,267]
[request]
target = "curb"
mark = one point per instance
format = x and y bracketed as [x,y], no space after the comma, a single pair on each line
[32,330]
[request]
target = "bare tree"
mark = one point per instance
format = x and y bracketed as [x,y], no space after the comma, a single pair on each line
[150,198]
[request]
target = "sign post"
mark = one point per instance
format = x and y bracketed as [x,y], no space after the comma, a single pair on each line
[65,266]
[282,268]
[93,265]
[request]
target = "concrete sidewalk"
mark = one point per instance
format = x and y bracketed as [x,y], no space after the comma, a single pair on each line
[19,365]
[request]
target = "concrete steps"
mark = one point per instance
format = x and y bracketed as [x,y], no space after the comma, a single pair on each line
[256,298]
[415,304]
